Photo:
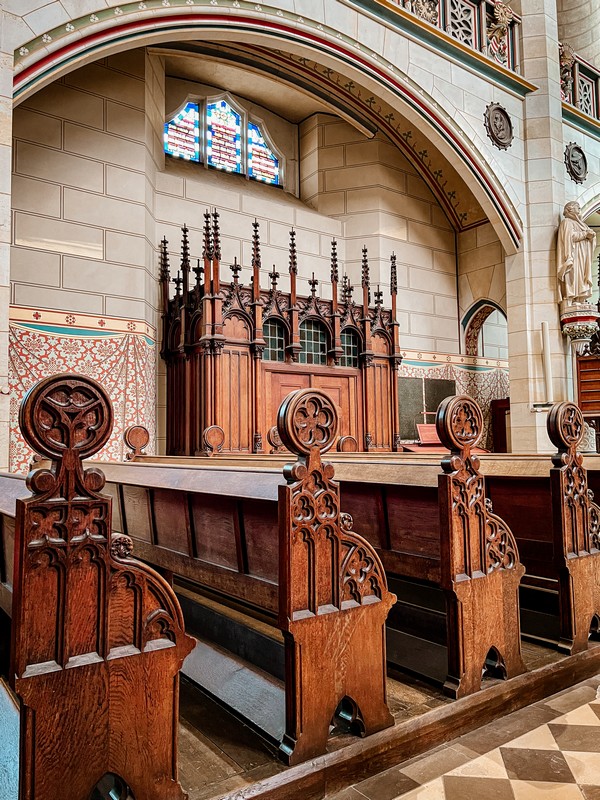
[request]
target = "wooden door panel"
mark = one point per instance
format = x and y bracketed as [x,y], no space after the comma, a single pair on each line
[381,405]
[235,397]
[277,387]
[342,391]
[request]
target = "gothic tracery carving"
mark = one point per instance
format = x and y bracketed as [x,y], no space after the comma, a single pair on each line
[459,425]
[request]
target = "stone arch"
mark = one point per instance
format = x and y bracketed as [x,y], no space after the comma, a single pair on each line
[474,320]
[115,29]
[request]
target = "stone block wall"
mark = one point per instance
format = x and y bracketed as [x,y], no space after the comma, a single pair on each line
[383,203]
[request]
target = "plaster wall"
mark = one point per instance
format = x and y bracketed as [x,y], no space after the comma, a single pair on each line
[383,204]
[529,177]
[578,23]
[481,272]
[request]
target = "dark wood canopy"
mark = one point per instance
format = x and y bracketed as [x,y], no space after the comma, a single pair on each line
[234,352]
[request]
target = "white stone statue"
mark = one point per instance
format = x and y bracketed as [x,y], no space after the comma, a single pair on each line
[574,253]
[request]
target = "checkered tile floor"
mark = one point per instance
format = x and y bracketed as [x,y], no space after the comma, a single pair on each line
[558,759]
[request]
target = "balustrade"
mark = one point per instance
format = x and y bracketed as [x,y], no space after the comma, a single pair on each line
[579,82]
[489,26]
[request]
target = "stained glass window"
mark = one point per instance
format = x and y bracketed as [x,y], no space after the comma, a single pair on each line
[263,164]
[274,336]
[223,137]
[313,341]
[350,348]
[182,134]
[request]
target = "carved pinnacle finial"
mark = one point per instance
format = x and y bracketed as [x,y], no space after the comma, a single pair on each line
[293,255]
[256,262]
[334,262]
[273,275]
[207,250]
[365,268]
[313,283]
[178,280]
[198,272]
[393,275]
[347,289]
[236,269]
[378,297]
[216,232]
[185,248]
[164,261]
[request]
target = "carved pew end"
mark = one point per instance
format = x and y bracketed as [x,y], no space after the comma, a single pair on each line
[333,595]
[576,525]
[96,633]
[481,571]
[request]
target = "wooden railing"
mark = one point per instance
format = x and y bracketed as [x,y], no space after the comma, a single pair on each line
[579,82]
[489,26]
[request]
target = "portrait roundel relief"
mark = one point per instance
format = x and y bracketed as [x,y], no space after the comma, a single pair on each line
[576,162]
[498,125]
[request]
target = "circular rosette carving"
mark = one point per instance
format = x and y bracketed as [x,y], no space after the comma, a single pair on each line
[274,439]
[459,422]
[576,162]
[136,437]
[307,418]
[121,546]
[565,426]
[66,414]
[214,438]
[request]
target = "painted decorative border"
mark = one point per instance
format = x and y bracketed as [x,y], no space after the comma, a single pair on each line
[389,14]
[416,358]
[573,116]
[65,323]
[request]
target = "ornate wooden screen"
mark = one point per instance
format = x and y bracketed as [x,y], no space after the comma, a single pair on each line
[233,353]
[97,636]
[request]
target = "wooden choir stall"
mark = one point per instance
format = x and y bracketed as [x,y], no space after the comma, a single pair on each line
[233,353]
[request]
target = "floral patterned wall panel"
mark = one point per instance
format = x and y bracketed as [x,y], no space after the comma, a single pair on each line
[482,379]
[120,354]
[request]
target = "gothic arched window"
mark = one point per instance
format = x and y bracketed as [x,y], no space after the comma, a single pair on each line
[350,348]
[263,164]
[219,134]
[274,336]
[182,134]
[313,341]
[223,137]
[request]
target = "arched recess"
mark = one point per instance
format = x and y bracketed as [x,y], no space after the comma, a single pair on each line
[473,323]
[59,51]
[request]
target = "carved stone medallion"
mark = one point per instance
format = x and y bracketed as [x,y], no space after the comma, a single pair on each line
[498,125]
[576,162]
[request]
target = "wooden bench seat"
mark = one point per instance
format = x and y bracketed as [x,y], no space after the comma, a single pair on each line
[233,556]
[279,547]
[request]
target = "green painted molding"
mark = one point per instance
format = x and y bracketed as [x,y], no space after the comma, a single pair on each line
[584,123]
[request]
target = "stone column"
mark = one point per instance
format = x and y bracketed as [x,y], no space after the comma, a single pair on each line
[531,273]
